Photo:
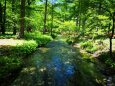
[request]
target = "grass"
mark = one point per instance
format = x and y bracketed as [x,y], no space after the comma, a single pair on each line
[8,64]
[17,47]
[10,52]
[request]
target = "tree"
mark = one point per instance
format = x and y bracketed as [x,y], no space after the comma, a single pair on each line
[45,17]
[13,9]
[28,15]
[3,29]
[22,15]
[108,6]
[1,22]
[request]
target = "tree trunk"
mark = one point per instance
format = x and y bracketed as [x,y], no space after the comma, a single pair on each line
[14,25]
[4,19]
[52,19]
[29,29]
[45,17]
[22,21]
[111,55]
[83,24]
[79,15]
[0,17]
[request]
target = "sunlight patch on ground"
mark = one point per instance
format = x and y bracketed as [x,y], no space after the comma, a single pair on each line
[11,42]
[108,43]
[29,69]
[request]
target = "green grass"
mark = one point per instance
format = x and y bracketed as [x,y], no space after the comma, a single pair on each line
[18,47]
[8,64]
[89,46]
[12,50]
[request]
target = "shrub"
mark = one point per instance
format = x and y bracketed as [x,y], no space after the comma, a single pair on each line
[67,26]
[8,64]
[89,46]
[71,40]
[24,48]
[91,50]
[38,37]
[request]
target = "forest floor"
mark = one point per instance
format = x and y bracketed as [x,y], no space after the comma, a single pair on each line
[58,64]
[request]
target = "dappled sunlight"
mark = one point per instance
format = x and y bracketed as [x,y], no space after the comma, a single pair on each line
[107,43]
[11,42]
[29,69]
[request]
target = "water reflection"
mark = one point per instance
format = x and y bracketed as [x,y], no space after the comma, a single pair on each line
[52,66]
[60,71]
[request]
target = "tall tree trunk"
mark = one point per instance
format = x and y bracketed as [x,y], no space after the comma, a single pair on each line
[22,20]
[0,17]
[79,15]
[111,55]
[14,25]
[109,27]
[29,29]
[65,16]
[4,19]
[52,19]
[83,24]
[100,9]
[45,17]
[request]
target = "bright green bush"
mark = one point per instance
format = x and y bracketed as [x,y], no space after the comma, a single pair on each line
[67,26]
[71,40]
[24,48]
[38,37]
[8,64]
[91,50]
[89,46]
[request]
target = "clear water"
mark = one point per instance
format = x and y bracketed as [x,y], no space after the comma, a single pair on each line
[56,65]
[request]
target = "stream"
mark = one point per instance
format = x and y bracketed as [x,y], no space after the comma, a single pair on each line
[58,64]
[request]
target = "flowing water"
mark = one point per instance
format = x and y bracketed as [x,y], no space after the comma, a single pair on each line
[58,64]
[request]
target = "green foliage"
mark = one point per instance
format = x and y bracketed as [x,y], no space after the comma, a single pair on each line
[8,64]
[91,50]
[67,26]
[105,58]
[89,74]
[25,48]
[7,36]
[38,37]
[71,40]
[88,46]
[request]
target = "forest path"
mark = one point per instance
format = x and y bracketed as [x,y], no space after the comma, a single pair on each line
[58,64]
